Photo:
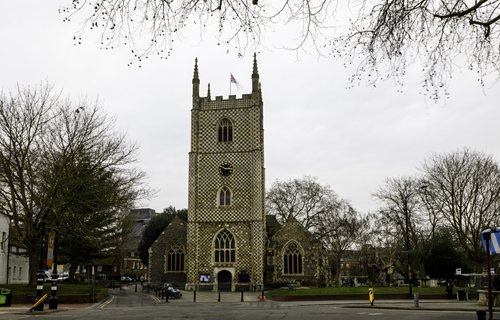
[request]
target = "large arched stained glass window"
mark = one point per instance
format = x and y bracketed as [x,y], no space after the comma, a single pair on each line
[225,133]
[175,257]
[225,251]
[292,259]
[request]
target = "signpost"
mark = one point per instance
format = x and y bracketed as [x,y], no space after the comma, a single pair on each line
[51,243]
[52,263]
[490,239]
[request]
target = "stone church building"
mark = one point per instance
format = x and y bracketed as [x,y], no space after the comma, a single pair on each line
[228,242]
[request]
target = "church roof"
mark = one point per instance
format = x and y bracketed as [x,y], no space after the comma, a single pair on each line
[142,214]
[272,225]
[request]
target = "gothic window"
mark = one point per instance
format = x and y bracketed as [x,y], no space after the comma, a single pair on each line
[225,251]
[175,257]
[224,197]
[225,133]
[292,259]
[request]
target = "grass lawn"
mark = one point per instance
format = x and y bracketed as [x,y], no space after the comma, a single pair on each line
[64,288]
[351,290]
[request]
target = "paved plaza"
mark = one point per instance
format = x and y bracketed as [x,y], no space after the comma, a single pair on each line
[127,298]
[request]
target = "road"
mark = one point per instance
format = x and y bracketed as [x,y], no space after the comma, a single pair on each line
[127,304]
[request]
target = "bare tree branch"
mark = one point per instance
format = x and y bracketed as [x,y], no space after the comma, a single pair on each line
[465,185]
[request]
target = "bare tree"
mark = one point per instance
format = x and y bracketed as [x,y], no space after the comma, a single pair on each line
[303,199]
[24,117]
[331,219]
[465,186]
[393,34]
[340,229]
[62,165]
[390,34]
[152,26]
[379,250]
[404,212]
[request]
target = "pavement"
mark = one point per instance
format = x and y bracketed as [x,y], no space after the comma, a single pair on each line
[252,297]
[425,304]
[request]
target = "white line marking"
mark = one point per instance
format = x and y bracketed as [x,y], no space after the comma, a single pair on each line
[105,303]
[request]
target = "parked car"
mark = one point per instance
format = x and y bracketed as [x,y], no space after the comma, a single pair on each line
[60,276]
[172,292]
[126,279]
[63,276]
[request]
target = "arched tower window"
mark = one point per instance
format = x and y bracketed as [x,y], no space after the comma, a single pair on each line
[225,133]
[224,197]
[292,259]
[175,257]
[225,251]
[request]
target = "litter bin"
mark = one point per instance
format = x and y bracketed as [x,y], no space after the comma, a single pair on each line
[416,299]
[5,297]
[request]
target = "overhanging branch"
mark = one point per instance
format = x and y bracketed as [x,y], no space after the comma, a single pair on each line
[461,13]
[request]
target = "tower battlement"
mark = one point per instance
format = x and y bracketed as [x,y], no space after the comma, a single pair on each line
[246,100]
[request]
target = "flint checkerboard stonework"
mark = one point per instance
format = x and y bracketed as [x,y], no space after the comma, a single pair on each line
[258,252]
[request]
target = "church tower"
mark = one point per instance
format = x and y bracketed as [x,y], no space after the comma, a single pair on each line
[226,215]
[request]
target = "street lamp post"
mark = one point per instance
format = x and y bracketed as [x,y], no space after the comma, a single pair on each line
[53,290]
[407,243]
[41,269]
[406,212]
[487,237]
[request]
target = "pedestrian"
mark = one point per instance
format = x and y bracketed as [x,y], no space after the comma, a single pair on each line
[449,289]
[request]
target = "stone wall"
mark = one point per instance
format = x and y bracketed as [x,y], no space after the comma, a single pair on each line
[176,231]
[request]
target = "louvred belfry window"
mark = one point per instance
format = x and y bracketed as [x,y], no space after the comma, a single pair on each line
[225,197]
[225,133]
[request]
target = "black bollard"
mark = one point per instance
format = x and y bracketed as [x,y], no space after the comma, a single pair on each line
[241,295]
[481,314]
[39,289]
[194,296]
[53,294]
[218,300]
[166,295]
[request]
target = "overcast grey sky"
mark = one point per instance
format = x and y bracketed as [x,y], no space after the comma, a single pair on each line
[350,139]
